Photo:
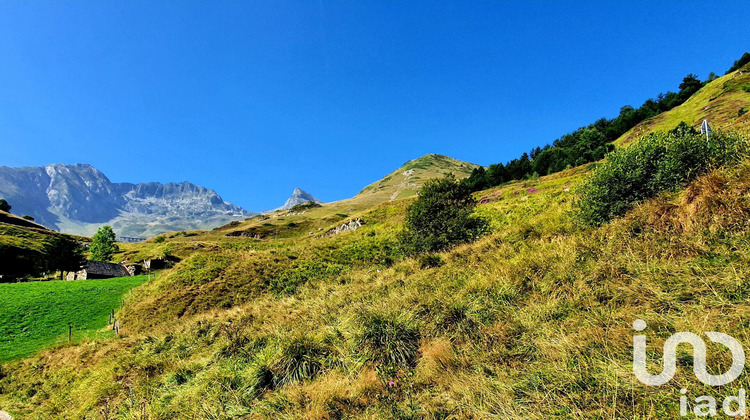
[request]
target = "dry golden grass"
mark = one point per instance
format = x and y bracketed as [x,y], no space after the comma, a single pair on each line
[531,321]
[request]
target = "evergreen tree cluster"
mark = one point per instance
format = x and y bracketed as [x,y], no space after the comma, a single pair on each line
[584,145]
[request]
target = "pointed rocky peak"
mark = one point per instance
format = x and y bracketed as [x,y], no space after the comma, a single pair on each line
[299,196]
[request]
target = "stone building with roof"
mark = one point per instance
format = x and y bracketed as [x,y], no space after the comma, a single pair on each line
[100,270]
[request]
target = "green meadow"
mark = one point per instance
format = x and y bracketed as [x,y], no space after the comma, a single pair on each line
[35,315]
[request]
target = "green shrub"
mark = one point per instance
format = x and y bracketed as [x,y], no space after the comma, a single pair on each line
[388,339]
[159,239]
[659,162]
[441,217]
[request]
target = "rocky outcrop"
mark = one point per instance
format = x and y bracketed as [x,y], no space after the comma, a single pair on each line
[353,224]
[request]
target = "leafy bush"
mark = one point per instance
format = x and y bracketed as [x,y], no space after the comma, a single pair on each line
[659,162]
[388,339]
[441,217]
[159,239]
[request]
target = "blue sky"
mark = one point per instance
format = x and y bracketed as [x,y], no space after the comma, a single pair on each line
[254,98]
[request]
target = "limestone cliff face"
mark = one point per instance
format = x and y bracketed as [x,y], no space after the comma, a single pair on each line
[79,198]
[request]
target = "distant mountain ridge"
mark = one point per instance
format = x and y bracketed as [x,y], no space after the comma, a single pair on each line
[79,198]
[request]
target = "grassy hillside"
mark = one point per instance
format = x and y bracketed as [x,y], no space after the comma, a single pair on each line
[406,180]
[721,102]
[532,321]
[11,219]
[36,314]
[278,317]
[22,246]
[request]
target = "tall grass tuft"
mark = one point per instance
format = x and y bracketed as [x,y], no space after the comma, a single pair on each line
[388,339]
[299,359]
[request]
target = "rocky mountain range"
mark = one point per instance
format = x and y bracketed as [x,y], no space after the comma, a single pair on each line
[79,198]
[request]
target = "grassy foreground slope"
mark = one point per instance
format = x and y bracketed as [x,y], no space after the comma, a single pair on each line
[531,321]
[721,101]
[36,314]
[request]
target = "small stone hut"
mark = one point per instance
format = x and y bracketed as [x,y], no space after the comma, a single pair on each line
[99,270]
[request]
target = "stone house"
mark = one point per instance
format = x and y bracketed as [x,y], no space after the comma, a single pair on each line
[99,270]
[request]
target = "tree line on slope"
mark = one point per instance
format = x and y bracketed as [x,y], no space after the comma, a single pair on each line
[584,145]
